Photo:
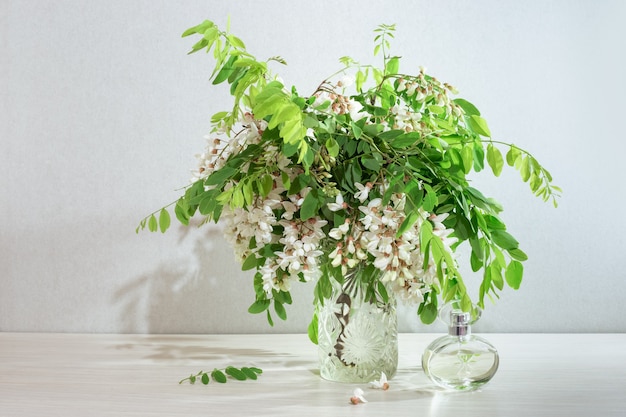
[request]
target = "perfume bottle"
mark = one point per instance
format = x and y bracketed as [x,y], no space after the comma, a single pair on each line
[460,360]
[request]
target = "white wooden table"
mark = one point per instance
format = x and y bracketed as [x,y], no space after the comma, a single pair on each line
[137,375]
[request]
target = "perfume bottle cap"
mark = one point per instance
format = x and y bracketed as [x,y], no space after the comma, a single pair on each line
[459,323]
[469,317]
[459,318]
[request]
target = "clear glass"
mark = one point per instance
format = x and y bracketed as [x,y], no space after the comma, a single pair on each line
[357,337]
[460,362]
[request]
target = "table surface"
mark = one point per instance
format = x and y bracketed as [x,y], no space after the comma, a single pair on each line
[137,375]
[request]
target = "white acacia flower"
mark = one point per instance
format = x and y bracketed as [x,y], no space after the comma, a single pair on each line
[337,233]
[382,261]
[356,110]
[381,383]
[268,273]
[310,133]
[336,255]
[357,396]
[346,81]
[290,209]
[363,192]
[411,89]
[401,85]
[438,220]
[339,204]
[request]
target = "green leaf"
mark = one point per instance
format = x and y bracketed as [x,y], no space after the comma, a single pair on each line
[152,224]
[238,199]
[525,169]
[306,155]
[393,65]
[181,212]
[249,263]
[218,116]
[406,140]
[286,113]
[467,107]
[221,175]
[236,373]
[494,158]
[218,376]
[235,41]
[256,370]
[283,297]
[309,205]
[477,248]
[259,306]
[475,262]
[428,313]
[478,125]
[391,134]
[436,109]
[299,183]
[430,199]
[248,194]
[250,374]
[280,310]
[164,220]
[535,182]
[226,70]
[512,155]
[496,275]
[504,240]
[372,162]
[513,274]
[518,254]
[333,147]
[426,234]
[409,221]
[479,157]
[312,329]
[467,155]
[211,33]
[198,45]
[205,379]
[493,223]
[266,183]
[356,130]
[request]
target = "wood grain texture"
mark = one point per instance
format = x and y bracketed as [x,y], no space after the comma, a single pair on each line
[137,375]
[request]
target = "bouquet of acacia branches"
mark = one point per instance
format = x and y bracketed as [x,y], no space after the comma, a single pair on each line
[368,170]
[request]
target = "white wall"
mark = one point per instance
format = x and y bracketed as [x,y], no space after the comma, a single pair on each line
[103,111]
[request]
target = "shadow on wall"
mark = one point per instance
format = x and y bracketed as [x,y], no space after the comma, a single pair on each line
[188,294]
[202,290]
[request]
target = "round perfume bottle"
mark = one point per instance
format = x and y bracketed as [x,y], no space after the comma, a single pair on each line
[460,360]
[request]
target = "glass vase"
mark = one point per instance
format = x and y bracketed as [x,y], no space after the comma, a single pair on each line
[357,331]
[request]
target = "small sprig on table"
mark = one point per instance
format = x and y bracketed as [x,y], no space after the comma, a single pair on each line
[240,374]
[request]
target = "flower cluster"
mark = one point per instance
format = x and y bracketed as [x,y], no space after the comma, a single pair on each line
[373,237]
[369,233]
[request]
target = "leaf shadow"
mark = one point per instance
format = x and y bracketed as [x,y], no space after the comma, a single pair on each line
[187,294]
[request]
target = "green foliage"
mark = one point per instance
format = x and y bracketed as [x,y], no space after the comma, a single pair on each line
[313,329]
[402,134]
[221,375]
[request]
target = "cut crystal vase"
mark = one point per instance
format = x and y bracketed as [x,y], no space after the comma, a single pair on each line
[357,332]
